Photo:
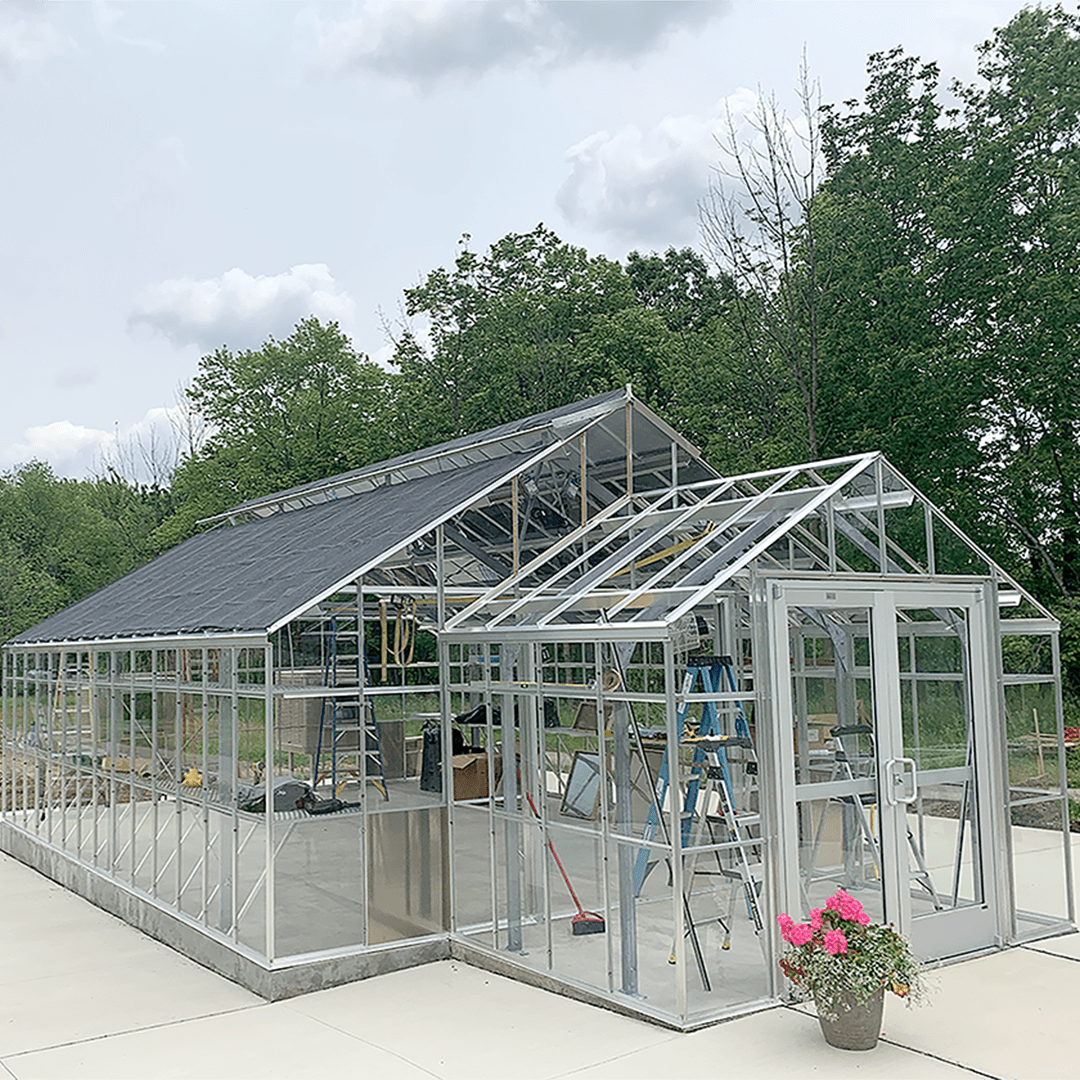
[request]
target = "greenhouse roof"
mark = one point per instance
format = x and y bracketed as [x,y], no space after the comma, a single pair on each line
[248,577]
[270,559]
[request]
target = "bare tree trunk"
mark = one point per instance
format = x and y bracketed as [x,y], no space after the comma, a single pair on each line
[757,226]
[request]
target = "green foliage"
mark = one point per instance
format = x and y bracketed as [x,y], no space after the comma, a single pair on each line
[291,412]
[950,256]
[61,539]
[679,288]
[744,416]
[511,332]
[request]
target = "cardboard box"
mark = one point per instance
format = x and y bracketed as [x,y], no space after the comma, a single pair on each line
[470,776]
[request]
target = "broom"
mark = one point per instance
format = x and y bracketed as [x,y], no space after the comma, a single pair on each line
[584,922]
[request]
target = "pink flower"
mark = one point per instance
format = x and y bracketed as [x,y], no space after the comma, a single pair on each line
[786,923]
[801,933]
[815,919]
[847,907]
[835,942]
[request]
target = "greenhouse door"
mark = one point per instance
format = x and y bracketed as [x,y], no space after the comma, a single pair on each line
[885,702]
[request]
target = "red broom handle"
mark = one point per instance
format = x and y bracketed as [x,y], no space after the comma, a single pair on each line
[555,856]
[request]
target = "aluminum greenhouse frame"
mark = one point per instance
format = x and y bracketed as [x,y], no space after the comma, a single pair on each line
[399,714]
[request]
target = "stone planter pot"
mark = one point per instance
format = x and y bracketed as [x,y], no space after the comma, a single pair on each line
[856,1027]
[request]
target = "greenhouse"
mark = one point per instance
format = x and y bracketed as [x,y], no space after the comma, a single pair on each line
[559,700]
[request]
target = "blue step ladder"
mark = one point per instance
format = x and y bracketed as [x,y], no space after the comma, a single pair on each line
[710,754]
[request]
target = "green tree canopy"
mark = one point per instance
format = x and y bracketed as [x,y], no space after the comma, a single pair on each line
[291,412]
[508,334]
[61,539]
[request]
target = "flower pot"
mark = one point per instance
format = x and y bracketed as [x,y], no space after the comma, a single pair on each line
[856,1027]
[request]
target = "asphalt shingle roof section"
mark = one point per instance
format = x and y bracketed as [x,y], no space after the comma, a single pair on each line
[246,577]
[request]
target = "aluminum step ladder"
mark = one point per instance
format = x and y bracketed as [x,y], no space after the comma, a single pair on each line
[713,765]
[341,721]
[847,751]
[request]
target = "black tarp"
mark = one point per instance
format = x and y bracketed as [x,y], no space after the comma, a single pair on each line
[247,577]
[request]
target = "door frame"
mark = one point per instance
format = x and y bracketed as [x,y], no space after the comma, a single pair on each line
[938,935]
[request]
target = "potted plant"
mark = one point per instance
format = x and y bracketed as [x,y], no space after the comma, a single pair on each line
[846,963]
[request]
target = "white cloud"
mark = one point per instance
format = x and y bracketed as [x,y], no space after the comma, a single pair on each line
[26,37]
[60,443]
[239,310]
[422,42]
[645,186]
[142,451]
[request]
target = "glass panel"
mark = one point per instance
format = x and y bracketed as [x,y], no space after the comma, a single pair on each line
[833,729]
[1036,791]
[318,883]
[944,851]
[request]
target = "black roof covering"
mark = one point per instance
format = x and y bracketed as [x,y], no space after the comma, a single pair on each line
[463,442]
[247,577]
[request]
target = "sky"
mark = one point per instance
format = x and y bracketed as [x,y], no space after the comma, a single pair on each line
[180,176]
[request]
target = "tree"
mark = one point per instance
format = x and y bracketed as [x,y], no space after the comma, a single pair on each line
[1014,262]
[894,374]
[679,288]
[56,545]
[291,412]
[506,334]
[758,231]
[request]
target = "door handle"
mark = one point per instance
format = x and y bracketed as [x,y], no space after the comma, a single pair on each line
[901,785]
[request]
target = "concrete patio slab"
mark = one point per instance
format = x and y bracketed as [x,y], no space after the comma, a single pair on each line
[266,1042]
[1012,1014]
[476,1024]
[82,994]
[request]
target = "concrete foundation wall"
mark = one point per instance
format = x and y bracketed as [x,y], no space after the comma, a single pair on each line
[273,983]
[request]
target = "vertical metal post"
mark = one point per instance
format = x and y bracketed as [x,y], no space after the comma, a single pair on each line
[830,531]
[154,815]
[776,770]
[178,724]
[364,837]
[1059,710]
[7,706]
[114,753]
[515,527]
[132,701]
[512,826]
[228,828]
[996,798]
[888,744]
[268,781]
[445,710]
[629,447]
[534,669]
[605,823]
[624,824]
[204,789]
[46,714]
[489,735]
[879,482]
[65,751]
[931,558]
[581,479]
[675,803]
